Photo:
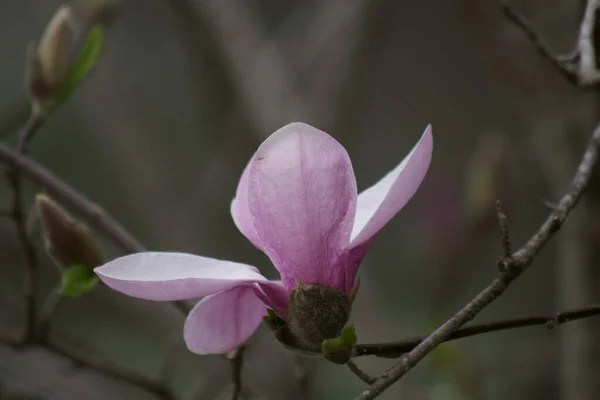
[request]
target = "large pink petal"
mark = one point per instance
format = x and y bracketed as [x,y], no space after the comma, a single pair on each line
[275,295]
[174,276]
[302,200]
[379,203]
[240,212]
[221,322]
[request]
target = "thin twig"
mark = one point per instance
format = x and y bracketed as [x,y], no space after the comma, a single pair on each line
[113,370]
[92,213]
[31,261]
[103,367]
[504,233]
[579,66]
[34,123]
[236,360]
[368,379]
[67,195]
[564,63]
[588,73]
[397,349]
[517,264]
[53,301]
[18,216]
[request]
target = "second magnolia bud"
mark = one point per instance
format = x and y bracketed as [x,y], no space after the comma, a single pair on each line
[69,241]
[48,62]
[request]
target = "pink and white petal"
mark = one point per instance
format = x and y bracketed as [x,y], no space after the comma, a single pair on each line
[302,199]
[240,212]
[174,276]
[221,322]
[275,295]
[379,203]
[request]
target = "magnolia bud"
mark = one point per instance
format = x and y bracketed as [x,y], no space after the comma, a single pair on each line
[48,63]
[317,312]
[69,241]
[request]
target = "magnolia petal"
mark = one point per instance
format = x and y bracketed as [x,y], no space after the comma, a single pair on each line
[379,203]
[240,212]
[221,322]
[275,295]
[174,276]
[302,200]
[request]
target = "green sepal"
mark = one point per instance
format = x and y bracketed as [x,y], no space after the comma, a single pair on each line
[78,280]
[85,61]
[340,350]
[273,320]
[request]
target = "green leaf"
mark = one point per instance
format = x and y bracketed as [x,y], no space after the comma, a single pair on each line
[273,320]
[339,350]
[348,336]
[85,61]
[78,280]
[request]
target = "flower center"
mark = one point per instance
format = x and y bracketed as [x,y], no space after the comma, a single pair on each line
[317,312]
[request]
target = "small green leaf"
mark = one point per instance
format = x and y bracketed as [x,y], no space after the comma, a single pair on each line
[339,350]
[85,61]
[78,280]
[336,351]
[348,336]
[273,320]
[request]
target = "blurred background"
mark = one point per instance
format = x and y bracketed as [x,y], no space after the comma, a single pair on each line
[184,93]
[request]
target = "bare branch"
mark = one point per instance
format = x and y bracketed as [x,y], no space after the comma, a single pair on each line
[49,309]
[104,367]
[92,213]
[564,63]
[579,67]
[236,359]
[504,234]
[34,123]
[588,73]
[369,380]
[67,195]
[515,266]
[397,349]
[18,216]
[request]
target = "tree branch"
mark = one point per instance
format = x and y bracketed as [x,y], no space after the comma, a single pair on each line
[236,360]
[369,380]
[51,305]
[566,64]
[92,213]
[513,267]
[64,193]
[18,216]
[33,124]
[103,367]
[579,67]
[397,349]
[588,73]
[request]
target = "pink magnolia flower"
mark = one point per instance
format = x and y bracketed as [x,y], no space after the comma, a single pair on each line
[296,201]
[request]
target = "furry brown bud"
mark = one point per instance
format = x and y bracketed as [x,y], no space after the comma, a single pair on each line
[317,312]
[69,241]
[48,63]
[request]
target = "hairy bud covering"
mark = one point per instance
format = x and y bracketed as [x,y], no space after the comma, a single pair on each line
[69,241]
[48,63]
[317,312]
